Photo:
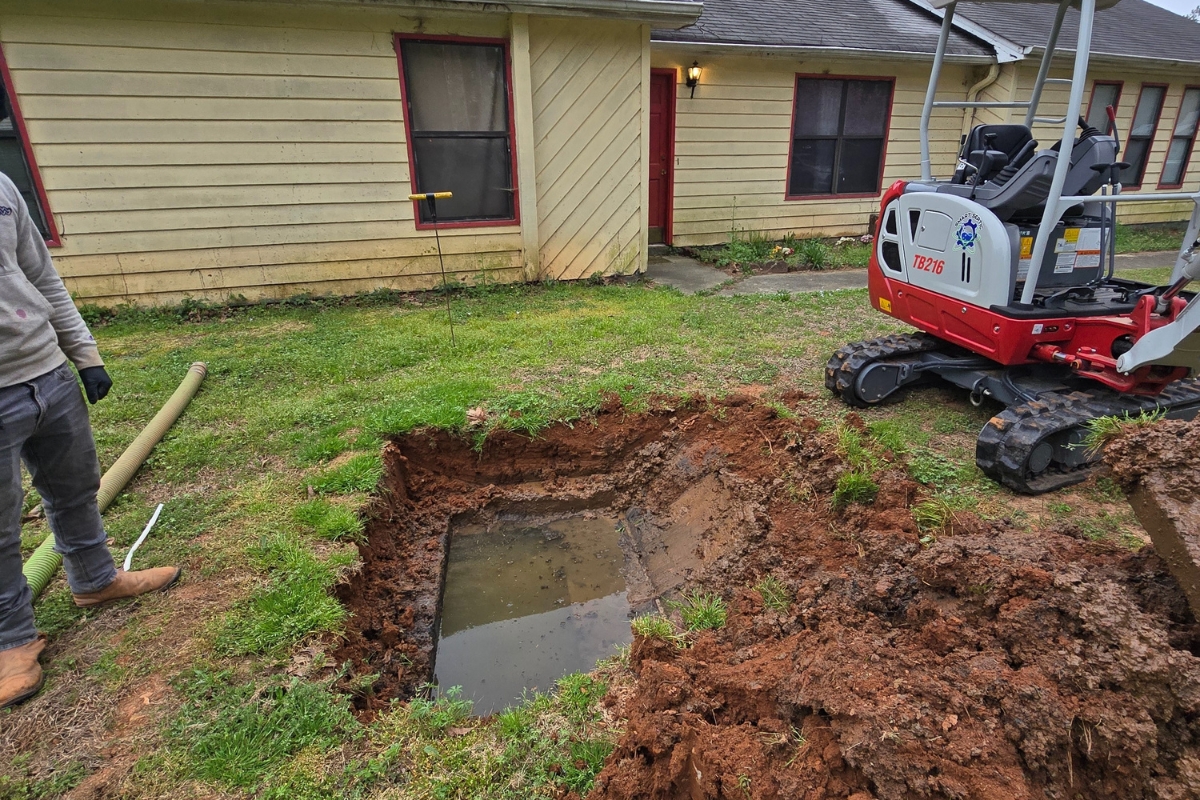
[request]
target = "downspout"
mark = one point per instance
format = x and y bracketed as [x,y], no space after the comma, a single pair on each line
[993,75]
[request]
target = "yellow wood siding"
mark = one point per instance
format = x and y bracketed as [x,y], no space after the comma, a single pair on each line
[587,79]
[218,149]
[1054,104]
[732,138]
[232,149]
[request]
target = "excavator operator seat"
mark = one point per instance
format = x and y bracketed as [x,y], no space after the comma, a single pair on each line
[1015,142]
[1019,189]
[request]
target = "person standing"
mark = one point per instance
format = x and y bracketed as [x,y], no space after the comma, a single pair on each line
[44,423]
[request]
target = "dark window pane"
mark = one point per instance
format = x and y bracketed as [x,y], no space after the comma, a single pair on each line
[14,165]
[867,104]
[858,168]
[1148,107]
[812,166]
[455,87]
[1189,114]
[478,171]
[1103,96]
[1135,156]
[1176,158]
[818,107]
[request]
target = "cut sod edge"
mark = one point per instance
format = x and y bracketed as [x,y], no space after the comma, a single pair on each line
[44,562]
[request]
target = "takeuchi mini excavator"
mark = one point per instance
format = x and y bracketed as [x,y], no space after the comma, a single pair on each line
[1007,269]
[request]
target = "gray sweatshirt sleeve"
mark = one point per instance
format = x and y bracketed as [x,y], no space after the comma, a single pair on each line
[33,257]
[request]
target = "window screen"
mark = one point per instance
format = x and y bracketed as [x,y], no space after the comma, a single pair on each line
[1141,134]
[1183,136]
[1103,96]
[457,113]
[14,164]
[838,136]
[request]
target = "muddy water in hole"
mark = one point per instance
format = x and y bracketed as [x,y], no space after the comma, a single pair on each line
[525,604]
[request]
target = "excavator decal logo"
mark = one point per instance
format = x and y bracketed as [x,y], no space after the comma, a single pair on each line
[967,233]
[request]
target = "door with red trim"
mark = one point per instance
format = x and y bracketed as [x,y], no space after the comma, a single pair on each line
[662,137]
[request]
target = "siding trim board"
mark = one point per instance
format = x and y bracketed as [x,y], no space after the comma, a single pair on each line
[515,220]
[35,174]
[1166,87]
[887,130]
[1187,155]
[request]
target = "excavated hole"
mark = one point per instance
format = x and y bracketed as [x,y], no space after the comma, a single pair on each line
[528,598]
[503,570]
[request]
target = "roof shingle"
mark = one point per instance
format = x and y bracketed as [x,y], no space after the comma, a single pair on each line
[1130,28]
[883,25]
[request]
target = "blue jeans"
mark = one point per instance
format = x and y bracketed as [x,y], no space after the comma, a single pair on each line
[45,424]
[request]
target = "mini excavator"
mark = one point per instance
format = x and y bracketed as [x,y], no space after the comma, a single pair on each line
[1007,271]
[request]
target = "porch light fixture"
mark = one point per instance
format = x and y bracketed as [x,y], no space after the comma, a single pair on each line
[693,76]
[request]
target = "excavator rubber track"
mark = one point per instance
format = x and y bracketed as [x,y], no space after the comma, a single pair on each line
[845,365]
[1017,441]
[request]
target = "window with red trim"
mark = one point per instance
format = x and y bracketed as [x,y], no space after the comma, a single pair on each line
[16,161]
[1183,136]
[839,129]
[1104,94]
[1141,133]
[459,125]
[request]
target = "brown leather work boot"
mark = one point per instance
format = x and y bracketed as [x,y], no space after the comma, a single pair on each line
[20,673]
[130,584]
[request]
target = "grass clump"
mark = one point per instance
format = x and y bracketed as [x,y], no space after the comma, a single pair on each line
[295,603]
[654,626]
[933,515]
[701,611]
[891,435]
[815,254]
[775,595]
[240,735]
[360,474]
[854,487]
[329,521]
[548,746]
[435,716]
[1103,430]
[60,781]
[853,447]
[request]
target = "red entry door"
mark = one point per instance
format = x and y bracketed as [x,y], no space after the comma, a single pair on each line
[662,137]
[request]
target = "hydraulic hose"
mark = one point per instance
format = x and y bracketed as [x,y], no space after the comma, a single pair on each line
[44,562]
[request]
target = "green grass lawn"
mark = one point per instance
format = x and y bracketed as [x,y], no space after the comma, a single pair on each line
[302,396]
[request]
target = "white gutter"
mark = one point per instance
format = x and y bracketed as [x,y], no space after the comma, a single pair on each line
[661,13]
[1006,51]
[717,48]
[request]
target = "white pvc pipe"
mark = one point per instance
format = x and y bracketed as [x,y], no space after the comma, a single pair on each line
[142,538]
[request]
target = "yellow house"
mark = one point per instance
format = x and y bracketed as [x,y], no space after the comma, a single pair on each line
[805,110]
[172,148]
[267,148]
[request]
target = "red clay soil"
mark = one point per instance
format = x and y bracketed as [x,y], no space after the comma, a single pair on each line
[1159,469]
[994,663]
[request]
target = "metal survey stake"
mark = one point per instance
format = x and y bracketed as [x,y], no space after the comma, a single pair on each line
[431,198]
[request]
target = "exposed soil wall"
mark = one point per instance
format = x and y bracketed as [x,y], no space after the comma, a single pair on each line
[1159,469]
[995,663]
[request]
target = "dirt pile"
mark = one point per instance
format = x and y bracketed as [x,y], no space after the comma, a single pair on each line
[1159,469]
[993,663]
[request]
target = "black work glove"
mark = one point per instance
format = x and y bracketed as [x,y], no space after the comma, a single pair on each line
[96,383]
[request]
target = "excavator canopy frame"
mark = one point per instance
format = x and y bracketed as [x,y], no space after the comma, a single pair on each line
[1056,203]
